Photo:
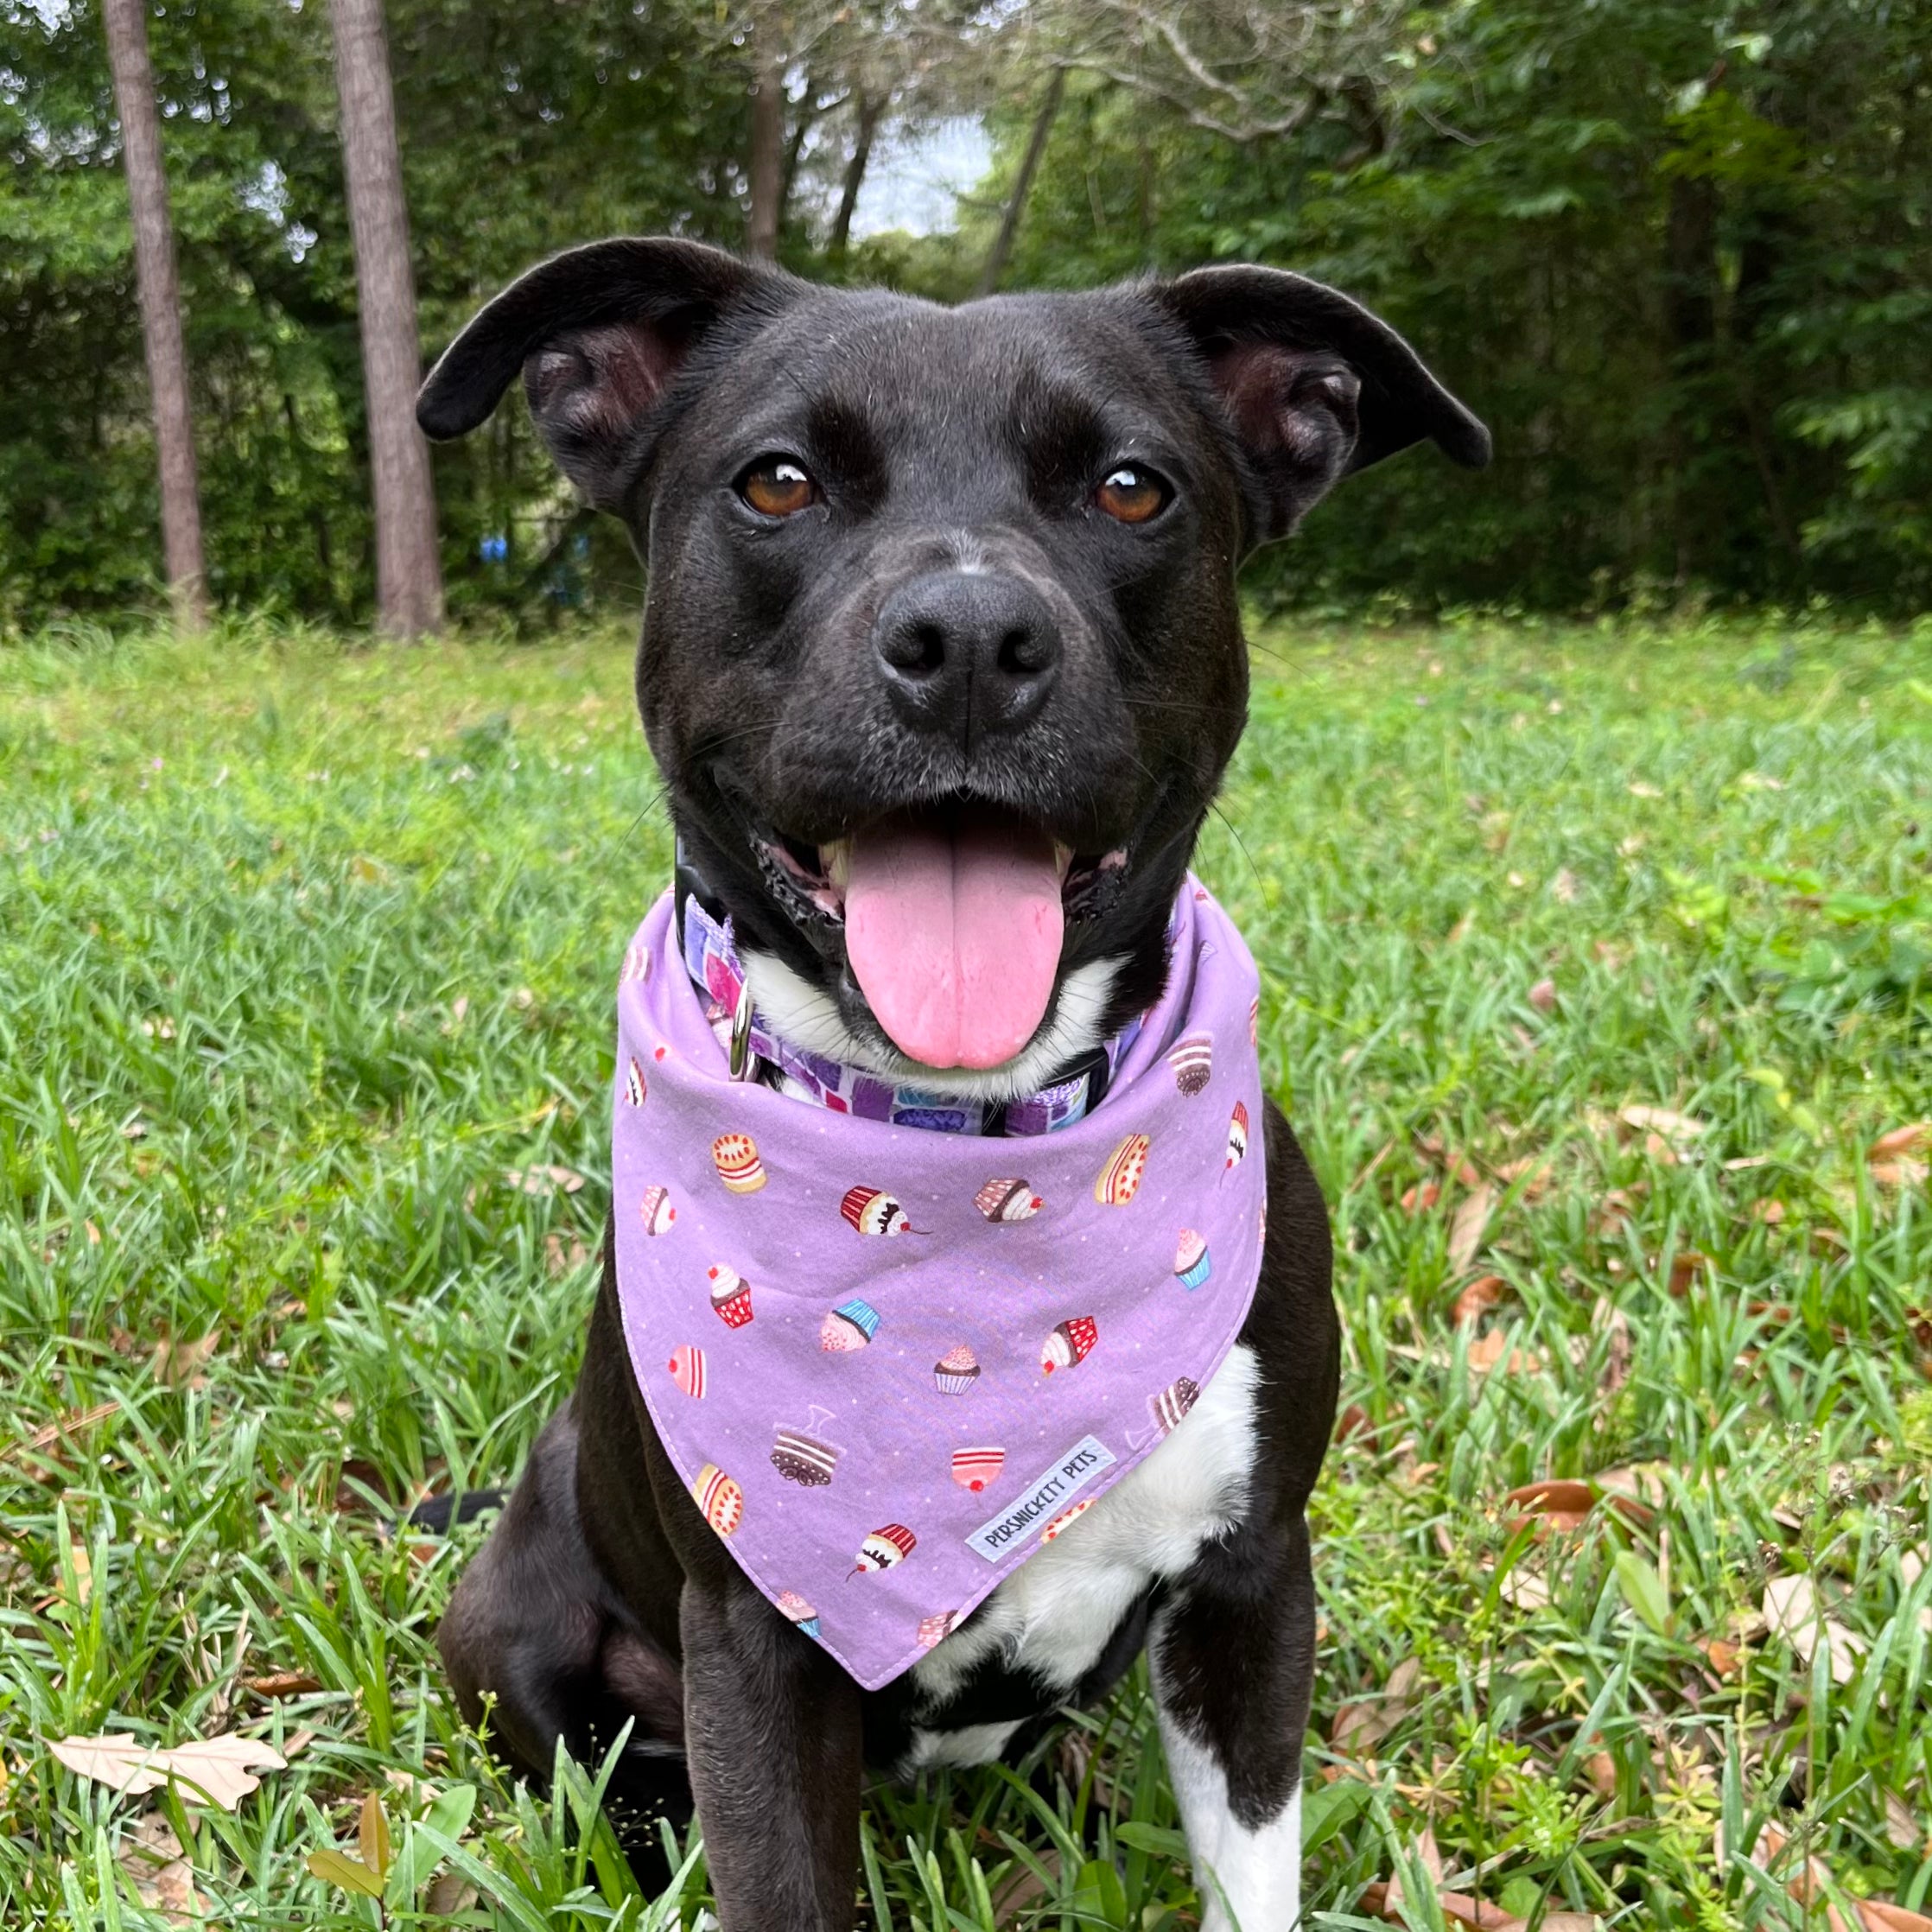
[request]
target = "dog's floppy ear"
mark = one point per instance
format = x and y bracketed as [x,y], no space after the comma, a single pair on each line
[1316,385]
[599,332]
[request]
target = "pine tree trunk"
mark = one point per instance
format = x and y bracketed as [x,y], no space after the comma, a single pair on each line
[160,308]
[408,571]
[766,168]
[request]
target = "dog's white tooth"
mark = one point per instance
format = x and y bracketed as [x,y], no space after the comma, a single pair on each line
[835,860]
[1063,857]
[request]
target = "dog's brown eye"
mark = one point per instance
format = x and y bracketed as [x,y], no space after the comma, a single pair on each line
[777,486]
[1132,495]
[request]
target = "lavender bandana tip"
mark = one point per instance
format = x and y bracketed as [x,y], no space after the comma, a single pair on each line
[892,1364]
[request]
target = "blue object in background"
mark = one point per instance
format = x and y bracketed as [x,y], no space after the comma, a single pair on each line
[493,549]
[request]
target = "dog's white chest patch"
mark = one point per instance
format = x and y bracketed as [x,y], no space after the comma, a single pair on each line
[1052,1616]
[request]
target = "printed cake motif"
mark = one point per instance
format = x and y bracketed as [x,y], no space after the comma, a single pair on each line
[658,1213]
[956,1371]
[1191,1265]
[1173,1403]
[1237,1135]
[1065,1516]
[637,964]
[1254,1020]
[634,1084]
[731,1296]
[687,1367]
[719,1497]
[886,1546]
[850,1325]
[1069,1344]
[935,1629]
[806,1459]
[735,1156]
[973,1469]
[1193,1063]
[1007,1201]
[872,1212]
[1121,1178]
[798,1610]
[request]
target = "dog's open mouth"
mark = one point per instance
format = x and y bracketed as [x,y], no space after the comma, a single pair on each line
[954,919]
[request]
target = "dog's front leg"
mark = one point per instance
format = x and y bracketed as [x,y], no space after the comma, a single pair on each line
[1232,1661]
[773,1731]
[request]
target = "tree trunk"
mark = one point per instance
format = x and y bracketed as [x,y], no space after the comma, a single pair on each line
[1029,166]
[160,308]
[409,572]
[767,158]
[870,110]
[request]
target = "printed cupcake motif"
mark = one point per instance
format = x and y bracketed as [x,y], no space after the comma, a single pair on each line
[1192,1062]
[720,1499]
[1254,1020]
[731,1296]
[634,1084]
[872,1212]
[973,1469]
[1237,1135]
[1065,1516]
[956,1372]
[1007,1201]
[688,1369]
[798,1610]
[935,1629]
[658,1213]
[637,964]
[1191,1265]
[884,1548]
[1069,1344]
[1173,1403]
[735,1157]
[850,1325]
[805,1458]
[1119,1179]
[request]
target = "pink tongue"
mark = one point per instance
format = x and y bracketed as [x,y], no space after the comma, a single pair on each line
[955,937]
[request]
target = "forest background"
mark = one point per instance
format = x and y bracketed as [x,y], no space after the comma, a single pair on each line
[1676,252]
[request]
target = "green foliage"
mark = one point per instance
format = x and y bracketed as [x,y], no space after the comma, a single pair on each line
[304,946]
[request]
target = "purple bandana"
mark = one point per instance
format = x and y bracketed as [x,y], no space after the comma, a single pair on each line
[891,1364]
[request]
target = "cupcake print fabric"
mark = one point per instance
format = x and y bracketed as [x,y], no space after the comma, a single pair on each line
[889,1368]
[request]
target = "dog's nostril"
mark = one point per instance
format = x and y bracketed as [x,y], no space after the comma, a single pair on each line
[916,647]
[930,640]
[1023,651]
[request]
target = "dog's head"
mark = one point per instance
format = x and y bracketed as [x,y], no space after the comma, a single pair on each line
[941,659]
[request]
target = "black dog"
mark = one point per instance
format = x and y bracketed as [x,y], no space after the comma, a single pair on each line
[907,561]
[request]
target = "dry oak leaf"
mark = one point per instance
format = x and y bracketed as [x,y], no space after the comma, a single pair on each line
[1901,1140]
[1482,1294]
[1807,1885]
[1792,1609]
[1685,1265]
[150,1855]
[1360,1726]
[1898,1173]
[217,1769]
[1543,995]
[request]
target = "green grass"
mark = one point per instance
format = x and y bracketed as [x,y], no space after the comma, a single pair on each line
[303,948]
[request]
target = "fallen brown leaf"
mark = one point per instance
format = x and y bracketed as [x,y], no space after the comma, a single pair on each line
[1420,1199]
[1901,1140]
[177,1364]
[1469,1225]
[544,1180]
[218,1770]
[1792,1609]
[1543,995]
[1475,1301]
[1666,1121]
[282,1683]
[1901,1172]
[1767,1210]
[1488,1353]
[1352,1419]
[1685,1265]
[150,1855]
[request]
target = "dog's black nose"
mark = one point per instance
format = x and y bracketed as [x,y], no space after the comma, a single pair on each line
[966,653]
